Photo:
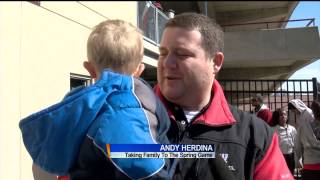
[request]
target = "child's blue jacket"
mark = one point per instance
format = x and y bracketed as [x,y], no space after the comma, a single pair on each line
[71,136]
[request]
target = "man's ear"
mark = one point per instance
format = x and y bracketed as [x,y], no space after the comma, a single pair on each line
[90,68]
[139,70]
[218,61]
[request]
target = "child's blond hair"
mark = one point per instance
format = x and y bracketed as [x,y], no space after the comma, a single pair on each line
[117,45]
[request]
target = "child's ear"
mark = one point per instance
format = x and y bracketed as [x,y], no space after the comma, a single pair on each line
[139,70]
[90,68]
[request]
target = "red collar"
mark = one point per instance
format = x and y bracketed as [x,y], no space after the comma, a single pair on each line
[218,112]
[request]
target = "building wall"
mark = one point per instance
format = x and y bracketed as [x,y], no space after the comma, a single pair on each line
[40,46]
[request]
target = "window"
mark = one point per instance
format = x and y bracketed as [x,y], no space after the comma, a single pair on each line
[77,80]
[151,21]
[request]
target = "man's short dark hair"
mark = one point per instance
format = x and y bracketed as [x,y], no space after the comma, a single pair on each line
[211,32]
[258,97]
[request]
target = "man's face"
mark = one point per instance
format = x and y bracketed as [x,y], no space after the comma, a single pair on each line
[184,72]
[254,102]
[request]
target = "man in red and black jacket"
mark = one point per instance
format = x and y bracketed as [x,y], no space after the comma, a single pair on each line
[261,110]
[190,58]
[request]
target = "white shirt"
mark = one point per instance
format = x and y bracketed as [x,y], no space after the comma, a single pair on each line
[263,106]
[190,114]
[287,136]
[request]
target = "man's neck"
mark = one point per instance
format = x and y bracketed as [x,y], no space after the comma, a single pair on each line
[284,125]
[194,108]
[257,108]
[201,106]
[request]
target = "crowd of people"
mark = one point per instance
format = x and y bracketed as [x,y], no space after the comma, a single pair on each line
[188,106]
[299,143]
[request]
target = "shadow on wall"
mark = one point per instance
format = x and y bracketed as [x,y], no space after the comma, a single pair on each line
[39,174]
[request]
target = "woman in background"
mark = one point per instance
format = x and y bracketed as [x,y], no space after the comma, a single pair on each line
[287,135]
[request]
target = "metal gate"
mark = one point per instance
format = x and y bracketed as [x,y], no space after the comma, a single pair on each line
[276,93]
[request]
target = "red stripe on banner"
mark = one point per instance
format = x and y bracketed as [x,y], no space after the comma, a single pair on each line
[311,166]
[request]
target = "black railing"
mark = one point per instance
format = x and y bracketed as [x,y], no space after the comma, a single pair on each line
[276,93]
[266,24]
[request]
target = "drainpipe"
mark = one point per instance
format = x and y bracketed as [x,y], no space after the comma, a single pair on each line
[206,8]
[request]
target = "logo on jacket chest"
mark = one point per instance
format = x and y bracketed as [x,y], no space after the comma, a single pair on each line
[225,157]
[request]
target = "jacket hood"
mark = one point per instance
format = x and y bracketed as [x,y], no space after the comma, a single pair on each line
[297,103]
[53,136]
[306,114]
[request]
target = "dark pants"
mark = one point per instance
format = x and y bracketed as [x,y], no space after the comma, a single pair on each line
[290,161]
[310,174]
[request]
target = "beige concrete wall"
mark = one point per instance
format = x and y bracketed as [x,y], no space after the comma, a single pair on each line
[9,91]
[83,12]
[267,45]
[269,53]
[39,48]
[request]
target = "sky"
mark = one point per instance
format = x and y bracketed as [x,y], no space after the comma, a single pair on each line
[304,10]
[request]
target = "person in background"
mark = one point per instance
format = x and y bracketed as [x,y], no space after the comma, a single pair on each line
[189,61]
[70,138]
[315,107]
[158,5]
[308,145]
[262,110]
[287,135]
[303,113]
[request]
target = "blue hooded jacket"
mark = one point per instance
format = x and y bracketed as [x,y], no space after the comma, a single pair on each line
[116,109]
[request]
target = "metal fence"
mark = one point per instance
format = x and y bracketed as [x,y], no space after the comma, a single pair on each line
[276,93]
[267,24]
